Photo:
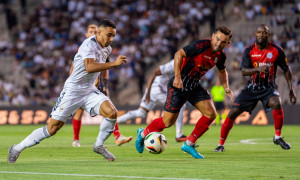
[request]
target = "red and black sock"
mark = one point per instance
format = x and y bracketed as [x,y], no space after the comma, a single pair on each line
[157,125]
[278,120]
[76,128]
[226,127]
[116,132]
[200,128]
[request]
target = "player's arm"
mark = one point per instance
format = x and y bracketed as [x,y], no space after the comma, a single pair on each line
[178,58]
[71,69]
[289,79]
[223,76]
[92,66]
[250,71]
[246,67]
[105,77]
[155,73]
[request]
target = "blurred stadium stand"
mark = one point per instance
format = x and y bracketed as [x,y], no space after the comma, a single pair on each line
[36,52]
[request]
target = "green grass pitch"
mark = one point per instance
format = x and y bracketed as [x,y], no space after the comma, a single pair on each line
[55,158]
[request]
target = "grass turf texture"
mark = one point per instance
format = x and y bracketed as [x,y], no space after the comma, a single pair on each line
[262,160]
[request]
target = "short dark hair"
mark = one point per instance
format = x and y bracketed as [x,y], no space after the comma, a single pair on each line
[107,23]
[266,27]
[225,30]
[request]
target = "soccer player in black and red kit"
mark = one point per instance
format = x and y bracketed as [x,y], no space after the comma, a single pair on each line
[190,64]
[260,61]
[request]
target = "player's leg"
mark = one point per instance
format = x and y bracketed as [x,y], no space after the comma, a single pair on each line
[120,139]
[207,108]
[226,127]
[180,137]
[141,112]
[77,126]
[157,125]
[175,100]
[34,138]
[109,112]
[278,116]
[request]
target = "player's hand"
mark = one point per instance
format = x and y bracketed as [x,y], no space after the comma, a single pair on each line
[120,60]
[229,93]
[264,68]
[177,83]
[293,98]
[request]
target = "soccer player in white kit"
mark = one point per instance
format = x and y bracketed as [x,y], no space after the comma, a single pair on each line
[101,80]
[79,91]
[156,92]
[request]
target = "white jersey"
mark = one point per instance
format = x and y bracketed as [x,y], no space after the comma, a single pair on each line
[167,71]
[80,80]
[79,89]
[159,86]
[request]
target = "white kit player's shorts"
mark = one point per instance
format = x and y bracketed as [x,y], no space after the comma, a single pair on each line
[69,102]
[156,96]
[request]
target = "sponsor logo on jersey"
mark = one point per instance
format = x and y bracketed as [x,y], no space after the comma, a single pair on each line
[207,57]
[256,55]
[269,55]
[261,64]
[255,64]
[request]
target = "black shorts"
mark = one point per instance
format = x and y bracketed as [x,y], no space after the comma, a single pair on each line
[177,97]
[219,105]
[247,99]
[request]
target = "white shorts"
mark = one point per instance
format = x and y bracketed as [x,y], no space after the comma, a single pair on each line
[68,102]
[156,96]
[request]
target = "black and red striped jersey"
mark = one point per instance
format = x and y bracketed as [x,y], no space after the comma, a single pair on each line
[199,59]
[273,56]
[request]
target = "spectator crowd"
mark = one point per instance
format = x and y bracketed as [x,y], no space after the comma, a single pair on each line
[147,31]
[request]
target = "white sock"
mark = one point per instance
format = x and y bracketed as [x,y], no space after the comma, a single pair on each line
[138,113]
[34,138]
[106,128]
[277,137]
[142,134]
[189,143]
[179,122]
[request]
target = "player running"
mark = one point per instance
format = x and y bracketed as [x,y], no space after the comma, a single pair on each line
[156,92]
[101,83]
[190,64]
[79,91]
[260,61]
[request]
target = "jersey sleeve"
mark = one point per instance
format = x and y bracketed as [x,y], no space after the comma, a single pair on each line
[221,63]
[282,60]
[167,68]
[88,50]
[246,61]
[193,49]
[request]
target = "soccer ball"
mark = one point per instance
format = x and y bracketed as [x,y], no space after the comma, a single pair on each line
[155,143]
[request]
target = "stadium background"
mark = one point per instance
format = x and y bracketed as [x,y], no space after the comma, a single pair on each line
[39,38]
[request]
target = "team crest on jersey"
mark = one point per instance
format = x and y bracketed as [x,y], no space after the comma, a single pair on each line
[269,55]
[255,64]
[216,60]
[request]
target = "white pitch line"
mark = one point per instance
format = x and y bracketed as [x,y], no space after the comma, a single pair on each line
[96,175]
[251,141]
